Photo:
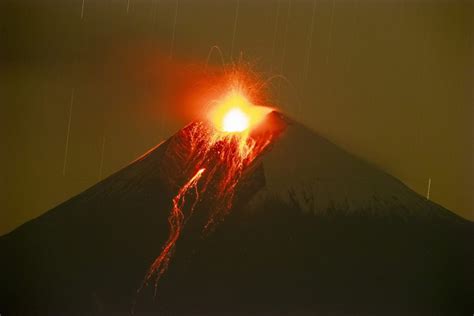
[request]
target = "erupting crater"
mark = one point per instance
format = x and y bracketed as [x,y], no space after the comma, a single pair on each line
[206,161]
[234,113]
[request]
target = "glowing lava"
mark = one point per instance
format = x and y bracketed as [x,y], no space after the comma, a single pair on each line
[235,121]
[176,221]
[221,150]
[235,113]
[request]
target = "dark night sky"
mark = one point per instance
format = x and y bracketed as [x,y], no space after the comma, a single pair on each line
[390,81]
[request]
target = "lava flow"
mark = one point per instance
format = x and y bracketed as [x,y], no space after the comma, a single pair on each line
[176,221]
[213,154]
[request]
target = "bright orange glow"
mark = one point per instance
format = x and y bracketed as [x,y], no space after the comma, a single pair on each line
[221,149]
[234,113]
[235,121]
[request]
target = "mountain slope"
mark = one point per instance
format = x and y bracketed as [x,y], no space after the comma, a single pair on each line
[313,230]
[308,169]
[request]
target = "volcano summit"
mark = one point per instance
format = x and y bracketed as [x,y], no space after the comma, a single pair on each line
[275,221]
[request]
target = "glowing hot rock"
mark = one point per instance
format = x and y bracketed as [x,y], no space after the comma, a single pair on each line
[235,113]
[235,121]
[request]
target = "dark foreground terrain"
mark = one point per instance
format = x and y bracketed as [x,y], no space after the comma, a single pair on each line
[314,231]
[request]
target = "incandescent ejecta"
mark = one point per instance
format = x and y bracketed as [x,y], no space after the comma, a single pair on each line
[221,150]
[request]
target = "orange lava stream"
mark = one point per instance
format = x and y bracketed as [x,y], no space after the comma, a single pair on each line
[223,146]
[236,152]
[224,157]
[176,222]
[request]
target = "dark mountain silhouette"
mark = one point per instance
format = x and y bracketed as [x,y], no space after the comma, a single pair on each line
[313,231]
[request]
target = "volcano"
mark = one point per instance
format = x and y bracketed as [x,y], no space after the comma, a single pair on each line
[295,226]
